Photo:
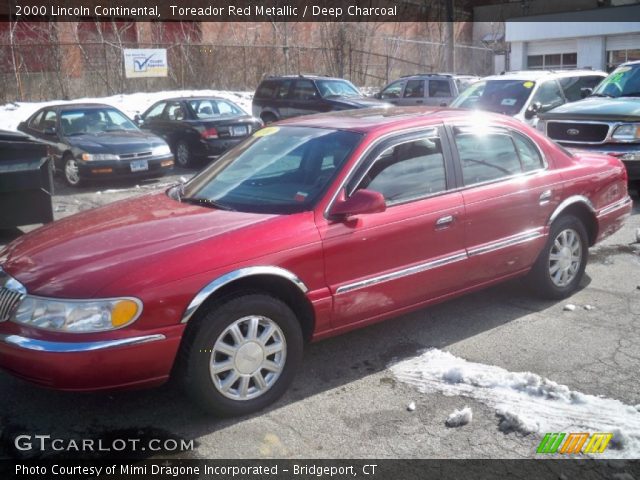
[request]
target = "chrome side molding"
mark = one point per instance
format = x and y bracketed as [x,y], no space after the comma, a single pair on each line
[570,201]
[227,278]
[75,347]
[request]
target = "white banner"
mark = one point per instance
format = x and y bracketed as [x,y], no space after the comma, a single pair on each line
[145,62]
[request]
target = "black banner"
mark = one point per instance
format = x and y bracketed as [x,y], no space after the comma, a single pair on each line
[308,469]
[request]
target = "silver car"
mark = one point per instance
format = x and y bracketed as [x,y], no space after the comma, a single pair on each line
[435,89]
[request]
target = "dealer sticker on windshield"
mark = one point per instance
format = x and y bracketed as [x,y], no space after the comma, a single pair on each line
[266,131]
[528,84]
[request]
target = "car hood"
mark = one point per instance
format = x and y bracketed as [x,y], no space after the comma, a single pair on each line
[597,108]
[358,102]
[130,141]
[133,242]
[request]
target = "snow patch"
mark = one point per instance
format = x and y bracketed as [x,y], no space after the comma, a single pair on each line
[459,417]
[525,402]
[12,114]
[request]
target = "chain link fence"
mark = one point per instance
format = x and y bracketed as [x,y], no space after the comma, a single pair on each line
[32,72]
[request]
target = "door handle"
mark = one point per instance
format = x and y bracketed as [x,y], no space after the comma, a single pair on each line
[444,222]
[545,197]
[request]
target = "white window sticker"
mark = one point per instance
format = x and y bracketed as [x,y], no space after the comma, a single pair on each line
[508,102]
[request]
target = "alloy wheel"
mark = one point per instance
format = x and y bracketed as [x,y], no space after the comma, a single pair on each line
[565,257]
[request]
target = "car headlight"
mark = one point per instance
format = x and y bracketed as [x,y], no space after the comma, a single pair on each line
[77,316]
[161,150]
[99,156]
[628,132]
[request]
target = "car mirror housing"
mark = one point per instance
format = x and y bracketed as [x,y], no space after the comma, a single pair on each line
[585,92]
[533,109]
[360,203]
[138,120]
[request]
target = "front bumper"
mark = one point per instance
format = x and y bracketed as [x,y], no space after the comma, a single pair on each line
[628,153]
[125,362]
[95,169]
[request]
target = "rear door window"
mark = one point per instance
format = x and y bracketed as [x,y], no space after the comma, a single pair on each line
[529,155]
[439,88]
[486,156]
[282,91]
[266,89]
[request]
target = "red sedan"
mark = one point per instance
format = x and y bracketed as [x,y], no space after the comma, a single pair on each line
[307,229]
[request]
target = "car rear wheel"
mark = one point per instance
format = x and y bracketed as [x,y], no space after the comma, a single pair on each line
[183,154]
[268,118]
[560,266]
[71,171]
[242,355]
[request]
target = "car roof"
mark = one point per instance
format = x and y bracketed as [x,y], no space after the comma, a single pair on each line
[75,106]
[382,118]
[633,62]
[309,76]
[543,74]
[195,97]
[443,75]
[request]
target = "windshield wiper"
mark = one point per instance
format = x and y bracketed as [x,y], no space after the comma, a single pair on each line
[602,95]
[205,202]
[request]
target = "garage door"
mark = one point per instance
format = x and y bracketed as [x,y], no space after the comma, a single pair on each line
[560,46]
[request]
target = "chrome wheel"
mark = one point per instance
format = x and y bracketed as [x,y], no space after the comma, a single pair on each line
[182,154]
[565,257]
[248,358]
[71,171]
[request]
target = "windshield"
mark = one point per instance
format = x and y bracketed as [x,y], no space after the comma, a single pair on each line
[213,108]
[277,170]
[624,81]
[337,88]
[500,96]
[94,120]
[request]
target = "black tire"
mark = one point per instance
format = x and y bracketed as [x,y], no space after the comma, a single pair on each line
[541,278]
[198,354]
[183,155]
[67,167]
[268,118]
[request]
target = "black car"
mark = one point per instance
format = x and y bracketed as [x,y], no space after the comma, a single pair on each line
[198,128]
[607,121]
[277,98]
[94,141]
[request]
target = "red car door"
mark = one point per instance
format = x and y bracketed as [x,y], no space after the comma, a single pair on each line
[414,251]
[509,194]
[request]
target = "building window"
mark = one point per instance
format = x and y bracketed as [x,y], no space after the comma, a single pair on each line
[617,57]
[552,61]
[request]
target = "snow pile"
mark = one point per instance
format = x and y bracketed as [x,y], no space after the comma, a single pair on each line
[525,402]
[459,418]
[12,114]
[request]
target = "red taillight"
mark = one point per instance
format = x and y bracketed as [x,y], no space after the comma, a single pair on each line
[209,133]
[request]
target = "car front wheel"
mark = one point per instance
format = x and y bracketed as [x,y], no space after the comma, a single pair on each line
[242,355]
[71,171]
[559,268]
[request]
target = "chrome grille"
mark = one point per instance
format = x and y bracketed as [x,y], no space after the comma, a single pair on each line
[9,300]
[130,156]
[577,132]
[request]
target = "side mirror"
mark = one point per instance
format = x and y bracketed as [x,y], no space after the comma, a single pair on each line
[360,203]
[138,120]
[533,110]
[377,95]
[585,92]
[50,131]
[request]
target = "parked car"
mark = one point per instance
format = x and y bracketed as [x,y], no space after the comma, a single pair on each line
[198,128]
[26,185]
[277,98]
[308,229]
[435,89]
[526,94]
[95,141]
[608,121]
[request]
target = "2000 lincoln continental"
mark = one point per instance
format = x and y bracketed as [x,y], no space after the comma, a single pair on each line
[307,229]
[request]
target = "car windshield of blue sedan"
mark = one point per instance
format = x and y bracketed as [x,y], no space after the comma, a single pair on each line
[277,170]
[94,120]
[499,96]
[337,88]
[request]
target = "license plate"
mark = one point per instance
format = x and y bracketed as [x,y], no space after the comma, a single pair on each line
[139,165]
[238,131]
